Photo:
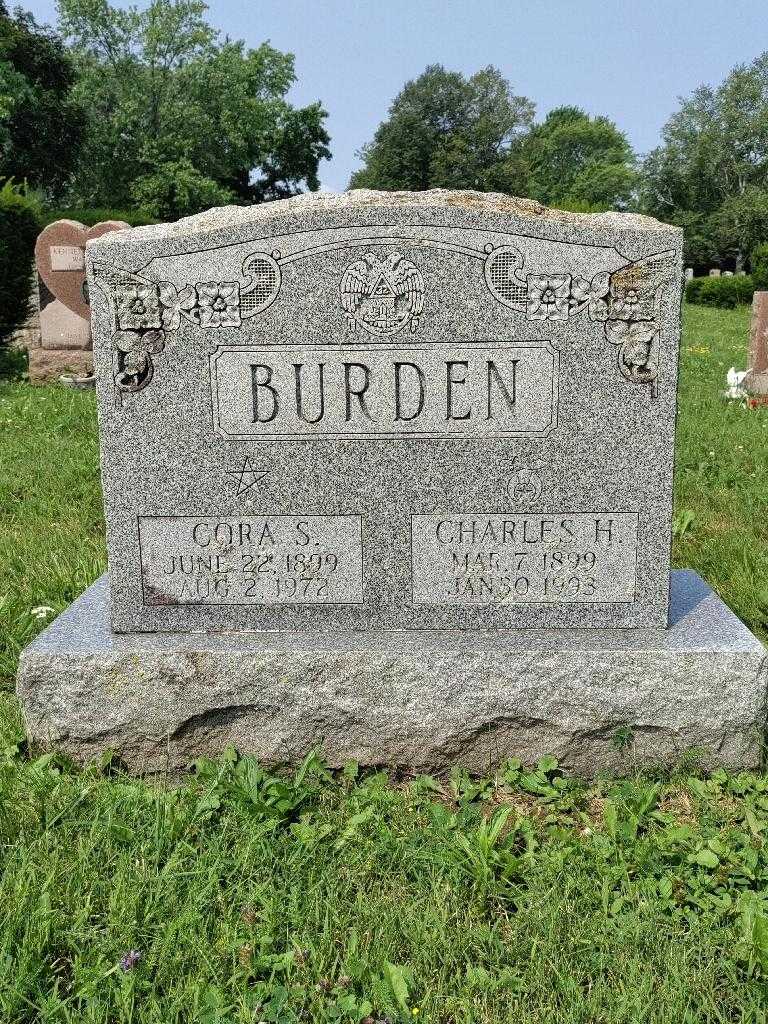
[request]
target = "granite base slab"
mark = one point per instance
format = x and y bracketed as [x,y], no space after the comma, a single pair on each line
[418,700]
[46,364]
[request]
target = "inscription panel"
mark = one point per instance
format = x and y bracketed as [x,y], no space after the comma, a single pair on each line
[67,257]
[506,559]
[251,560]
[488,389]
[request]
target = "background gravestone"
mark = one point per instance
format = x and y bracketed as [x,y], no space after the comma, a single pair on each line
[64,314]
[756,381]
[391,474]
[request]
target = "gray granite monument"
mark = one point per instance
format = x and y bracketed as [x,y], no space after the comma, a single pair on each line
[391,475]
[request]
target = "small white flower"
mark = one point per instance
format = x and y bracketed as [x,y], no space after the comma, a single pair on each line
[42,611]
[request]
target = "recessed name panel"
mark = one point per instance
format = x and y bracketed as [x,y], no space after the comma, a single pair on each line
[251,560]
[486,389]
[503,559]
[67,257]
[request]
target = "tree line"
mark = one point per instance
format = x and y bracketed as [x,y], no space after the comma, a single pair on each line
[154,109]
[150,108]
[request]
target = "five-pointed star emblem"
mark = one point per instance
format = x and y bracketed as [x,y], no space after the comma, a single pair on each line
[247,476]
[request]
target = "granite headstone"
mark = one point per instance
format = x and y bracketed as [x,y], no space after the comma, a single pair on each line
[391,475]
[374,411]
[64,315]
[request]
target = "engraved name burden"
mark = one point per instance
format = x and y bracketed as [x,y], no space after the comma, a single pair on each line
[513,559]
[487,389]
[251,560]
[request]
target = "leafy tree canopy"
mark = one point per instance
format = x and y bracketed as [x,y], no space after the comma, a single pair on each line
[179,118]
[41,124]
[710,175]
[576,160]
[446,131]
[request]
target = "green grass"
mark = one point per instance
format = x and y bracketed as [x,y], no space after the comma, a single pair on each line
[251,897]
[52,526]
[721,490]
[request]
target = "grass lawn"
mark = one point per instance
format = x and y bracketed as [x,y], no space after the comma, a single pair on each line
[721,488]
[251,897]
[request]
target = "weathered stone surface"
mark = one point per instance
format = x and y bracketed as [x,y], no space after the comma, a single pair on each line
[756,381]
[408,411]
[27,336]
[47,364]
[422,700]
[60,328]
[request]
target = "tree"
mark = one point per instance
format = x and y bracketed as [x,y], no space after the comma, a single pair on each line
[710,175]
[576,160]
[41,124]
[445,131]
[179,118]
[177,189]
[741,224]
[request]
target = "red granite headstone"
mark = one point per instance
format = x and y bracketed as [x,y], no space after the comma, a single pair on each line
[756,381]
[60,259]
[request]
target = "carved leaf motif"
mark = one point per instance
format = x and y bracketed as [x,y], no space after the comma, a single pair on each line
[176,303]
[621,332]
[127,341]
[599,288]
[637,354]
[580,288]
[134,351]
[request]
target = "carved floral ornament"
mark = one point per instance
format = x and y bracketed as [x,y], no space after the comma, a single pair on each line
[383,294]
[146,311]
[627,302]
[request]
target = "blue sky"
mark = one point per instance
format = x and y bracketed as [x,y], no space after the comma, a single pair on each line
[627,59]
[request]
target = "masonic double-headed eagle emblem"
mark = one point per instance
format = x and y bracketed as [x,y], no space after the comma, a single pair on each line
[382,294]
